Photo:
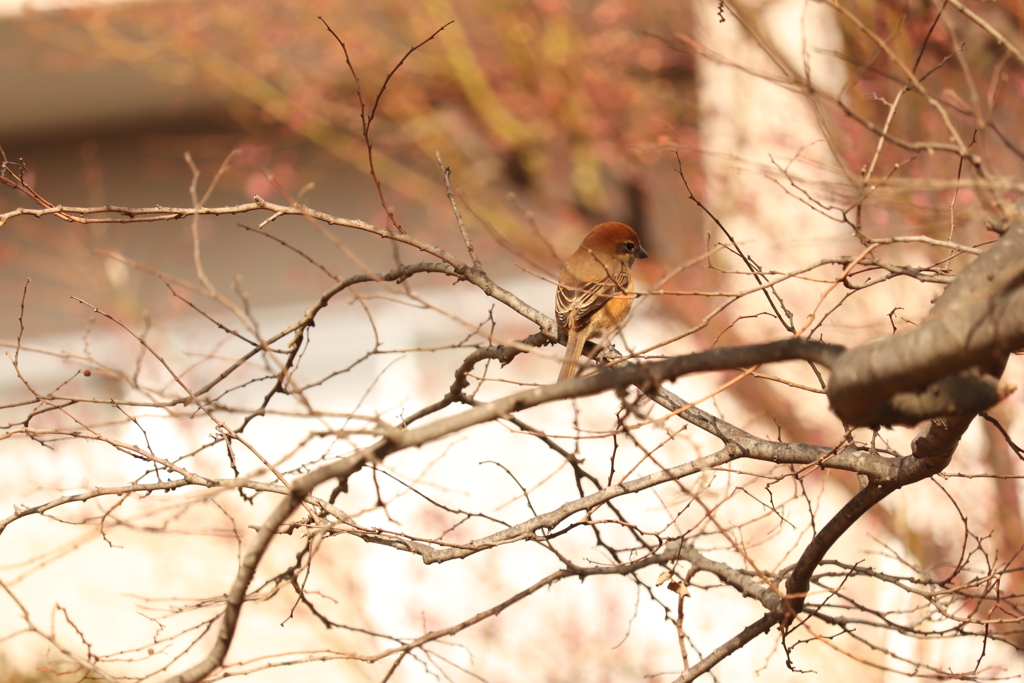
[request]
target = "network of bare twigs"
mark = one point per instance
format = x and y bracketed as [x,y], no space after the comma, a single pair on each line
[746,516]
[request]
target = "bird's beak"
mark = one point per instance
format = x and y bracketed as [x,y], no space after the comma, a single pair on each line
[642,253]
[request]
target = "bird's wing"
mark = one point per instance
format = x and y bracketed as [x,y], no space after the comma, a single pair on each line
[576,302]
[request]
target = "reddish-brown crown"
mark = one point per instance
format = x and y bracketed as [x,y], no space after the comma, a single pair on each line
[611,233]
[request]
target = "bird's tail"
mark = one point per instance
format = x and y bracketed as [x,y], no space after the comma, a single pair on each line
[571,360]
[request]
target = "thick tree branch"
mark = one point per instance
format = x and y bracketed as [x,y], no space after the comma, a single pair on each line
[909,377]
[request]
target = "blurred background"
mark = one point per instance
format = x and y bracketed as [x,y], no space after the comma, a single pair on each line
[553,115]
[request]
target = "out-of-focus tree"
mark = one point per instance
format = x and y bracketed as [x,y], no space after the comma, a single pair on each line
[558,101]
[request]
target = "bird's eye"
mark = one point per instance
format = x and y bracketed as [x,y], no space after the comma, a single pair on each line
[630,246]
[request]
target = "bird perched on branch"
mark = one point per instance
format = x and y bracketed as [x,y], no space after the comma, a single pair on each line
[595,290]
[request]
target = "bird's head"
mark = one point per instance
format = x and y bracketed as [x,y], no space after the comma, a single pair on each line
[617,239]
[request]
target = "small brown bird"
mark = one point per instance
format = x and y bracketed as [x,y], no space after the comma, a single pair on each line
[595,290]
